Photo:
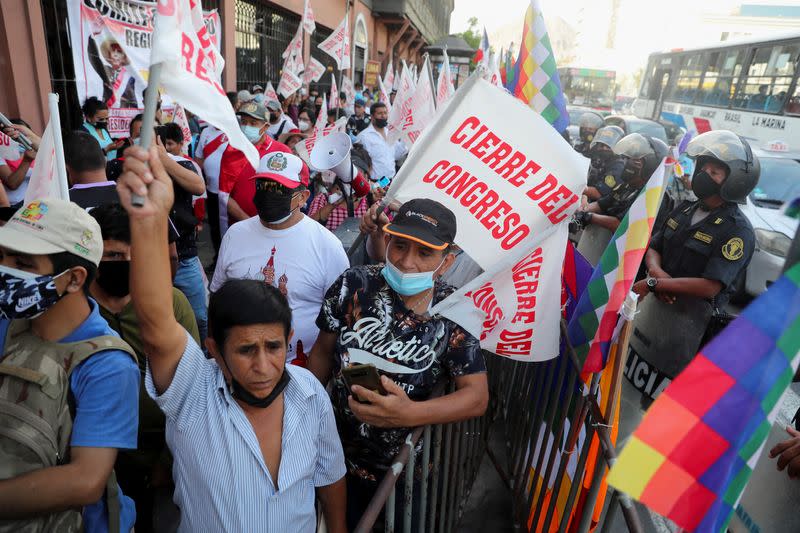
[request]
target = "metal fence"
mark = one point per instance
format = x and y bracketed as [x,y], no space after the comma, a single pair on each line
[534,400]
[262,34]
[449,460]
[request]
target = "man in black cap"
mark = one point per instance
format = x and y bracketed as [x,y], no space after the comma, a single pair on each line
[358,121]
[378,315]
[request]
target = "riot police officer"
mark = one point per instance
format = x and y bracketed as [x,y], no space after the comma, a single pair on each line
[605,170]
[641,156]
[588,125]
[705,245]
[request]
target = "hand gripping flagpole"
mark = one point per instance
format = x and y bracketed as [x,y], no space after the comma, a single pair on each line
[149,117]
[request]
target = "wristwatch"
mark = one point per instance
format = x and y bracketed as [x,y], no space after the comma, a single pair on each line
[651,284]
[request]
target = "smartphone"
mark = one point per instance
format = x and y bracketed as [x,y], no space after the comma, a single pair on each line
[365,376]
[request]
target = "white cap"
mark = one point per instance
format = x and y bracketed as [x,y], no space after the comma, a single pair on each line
[52,226]
[283,168]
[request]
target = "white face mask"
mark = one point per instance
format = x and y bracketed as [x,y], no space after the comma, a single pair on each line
[304,125]
[335,197]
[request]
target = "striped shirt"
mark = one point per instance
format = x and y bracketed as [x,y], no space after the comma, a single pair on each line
[221,480]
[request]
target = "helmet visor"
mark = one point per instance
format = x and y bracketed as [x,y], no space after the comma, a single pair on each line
[634,146]
[719,144]
[608,135]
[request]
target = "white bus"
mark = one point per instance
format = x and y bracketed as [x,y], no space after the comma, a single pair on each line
[748,87]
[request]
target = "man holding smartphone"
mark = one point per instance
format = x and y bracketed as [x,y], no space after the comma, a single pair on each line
[378,315]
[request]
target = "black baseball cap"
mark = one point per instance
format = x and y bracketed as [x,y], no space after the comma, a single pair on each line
[426,222]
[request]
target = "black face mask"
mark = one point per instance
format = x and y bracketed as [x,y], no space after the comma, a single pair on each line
[113,277]
[240,393]
[631,172]
[380,122]
[273,208]
[101,124]
[704,186]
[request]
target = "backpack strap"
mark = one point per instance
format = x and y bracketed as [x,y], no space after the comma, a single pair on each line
[84,349]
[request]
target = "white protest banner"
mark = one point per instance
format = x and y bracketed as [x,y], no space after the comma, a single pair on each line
[388,79]
[348,90]
[314,71]
[10,150]
[322,117]
[269,94]
[402,101]
[502,169]
[289,83]
[383,94]
[304,147]
[514,309]
[420,110]
[333,101]
[337,45]
[295,45]
[179,118]
[309,23]
[110,43]
[444,86]
[294,64]
[49,175]
[191,67]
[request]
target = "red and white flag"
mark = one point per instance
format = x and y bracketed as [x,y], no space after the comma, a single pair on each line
[295,45]
[294,64]
[402,101]
[191,68]
[333,101]
[348,90]
[444,86]
[388,80]
[308,18]
[269,94]
[179,118]
[314,71]
[322,117]
[383,95]
[481,56]
[10,150]
[45,182]
[420,109]
[494,72]
[338,45]
[289,83]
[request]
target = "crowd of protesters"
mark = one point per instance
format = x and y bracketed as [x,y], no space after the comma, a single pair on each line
[211,397]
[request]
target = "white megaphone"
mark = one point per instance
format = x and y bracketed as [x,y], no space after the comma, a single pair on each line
[332,153]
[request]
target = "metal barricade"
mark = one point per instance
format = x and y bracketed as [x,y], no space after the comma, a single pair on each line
[450,457]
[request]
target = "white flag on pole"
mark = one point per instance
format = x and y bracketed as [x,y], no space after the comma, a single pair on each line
[383,95]
[269,94]
[444,86]
[314,71]
[420,109]
[388,80]
[10,150]
[333,101]
[402,100]
[494,71]
[338,45]
[322,117]
[191,69]
[44,182]
[295,45]
[289,83]
[309,23]
[348,90]
[179,118]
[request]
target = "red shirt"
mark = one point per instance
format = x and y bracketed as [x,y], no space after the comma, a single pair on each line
[235,167]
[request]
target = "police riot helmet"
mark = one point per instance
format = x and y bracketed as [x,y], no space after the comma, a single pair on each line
[735,153]
[608,135]
[649,149]
[588,125]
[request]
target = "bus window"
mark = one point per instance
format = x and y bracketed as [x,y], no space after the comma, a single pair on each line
[721,77]
[768,78]
[793,102]
[686,86]
[648,77]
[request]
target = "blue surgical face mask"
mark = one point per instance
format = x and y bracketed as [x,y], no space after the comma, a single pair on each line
[252,133]
[407,284]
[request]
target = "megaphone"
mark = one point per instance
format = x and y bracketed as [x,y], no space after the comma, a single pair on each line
[332,153]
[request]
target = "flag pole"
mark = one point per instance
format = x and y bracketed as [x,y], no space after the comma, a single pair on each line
[149,117]
[58,145]
[341,60]
[430,77]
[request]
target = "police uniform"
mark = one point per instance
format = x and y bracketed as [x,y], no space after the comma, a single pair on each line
[619,200]
[605,177]
[356,125]
[719,247]
[583,148]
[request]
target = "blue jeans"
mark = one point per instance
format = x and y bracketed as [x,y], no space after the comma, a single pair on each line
[189,280]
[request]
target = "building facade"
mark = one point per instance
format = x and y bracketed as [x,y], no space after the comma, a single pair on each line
[35,55]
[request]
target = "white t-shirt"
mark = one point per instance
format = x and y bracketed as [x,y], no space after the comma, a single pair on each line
[212,162]
[273,129]
[302,261]
[18,195]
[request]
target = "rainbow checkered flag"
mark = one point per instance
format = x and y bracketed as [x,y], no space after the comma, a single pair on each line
[591,329]
[696,447]
[536,80]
